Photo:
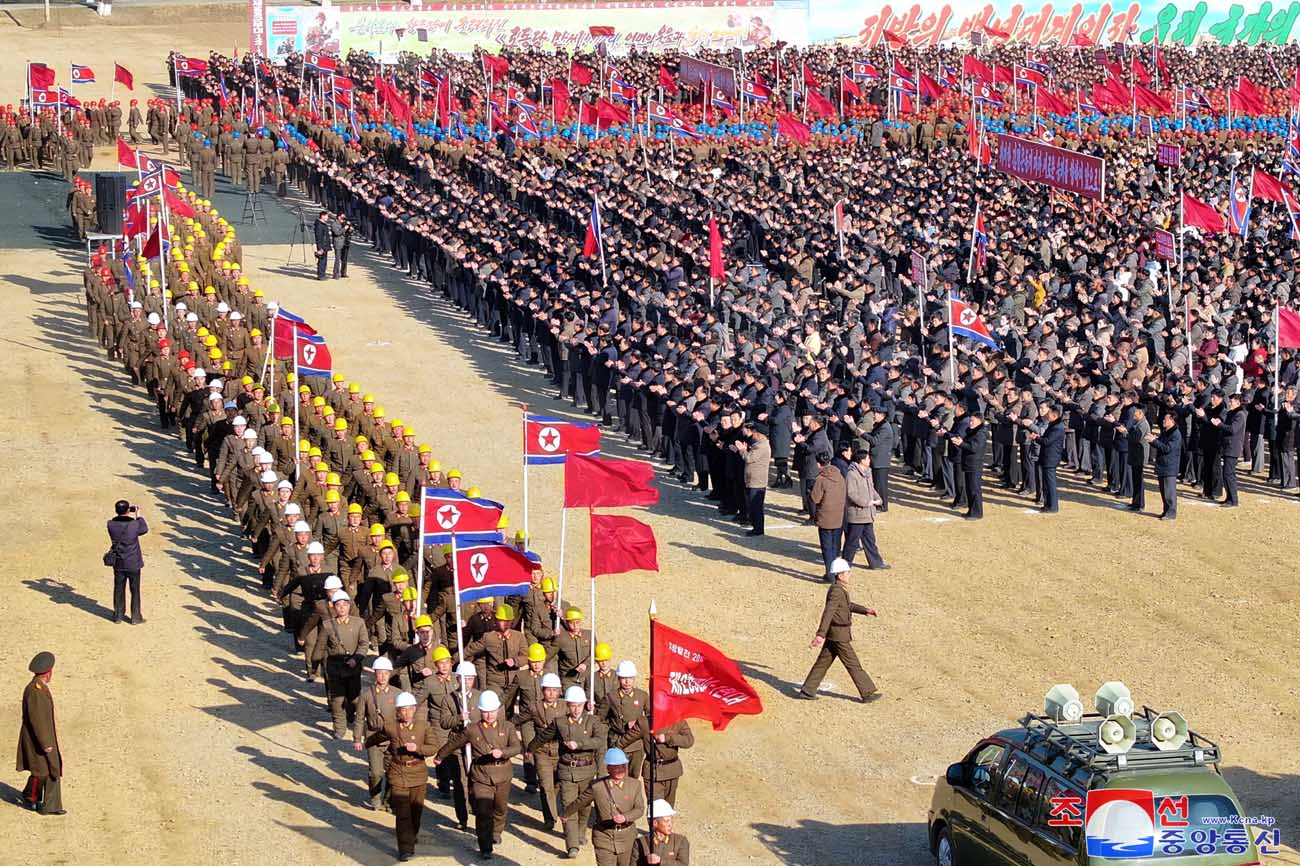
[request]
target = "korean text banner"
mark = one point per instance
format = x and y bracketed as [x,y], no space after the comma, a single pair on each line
[1055,166]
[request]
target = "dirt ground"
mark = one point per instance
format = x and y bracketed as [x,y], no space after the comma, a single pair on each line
[195,734]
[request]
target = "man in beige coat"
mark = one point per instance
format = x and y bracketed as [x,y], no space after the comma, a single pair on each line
[861,501]
[757,454]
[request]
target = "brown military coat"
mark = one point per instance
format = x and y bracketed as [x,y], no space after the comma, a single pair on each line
[406,768]
[37,733]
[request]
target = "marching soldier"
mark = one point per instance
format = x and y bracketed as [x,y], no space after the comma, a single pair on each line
[625,717]
[619,803]
[499,656]
[573,649]
[542,713]
[581,738]
[409,742]
[662,847]
[493,741]
[346,643]
[665,751]
[605,681]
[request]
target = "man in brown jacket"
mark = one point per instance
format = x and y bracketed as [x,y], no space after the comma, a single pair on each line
[668,769]
[346,643]
[493,742]
[500,655]
[835,639]
[376,710]
[38,741]
[410,741]
[619,803]
[828,497]
[757,454]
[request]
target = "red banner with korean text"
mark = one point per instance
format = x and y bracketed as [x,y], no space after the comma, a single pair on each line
[1055,166]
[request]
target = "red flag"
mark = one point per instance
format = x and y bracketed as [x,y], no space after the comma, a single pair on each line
[808,77]
[177,205]
[1288,329]
[1268,187]
[930,89]
[692,680]
[620,544]
[820,105]
[1051,102]
[995,32]
[791,127]
[1246,102]
[716,269]
[1248,87]
[125,155]
[578,73]
[608,113]
[497,66]
[1140,72]
[976,68]
[666,80]
[607,482]
[40,76]
[895,39]
[1145,97]
[123,76]
[1003,74]
[850,87]
[598,31]
[1198,213]
[1078,40]
[560,97]
[153,246]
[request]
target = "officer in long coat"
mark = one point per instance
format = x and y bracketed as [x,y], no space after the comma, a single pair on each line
[38,741]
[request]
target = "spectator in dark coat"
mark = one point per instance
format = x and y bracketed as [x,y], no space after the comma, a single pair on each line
[1169,455]
[124,531]
[882,439]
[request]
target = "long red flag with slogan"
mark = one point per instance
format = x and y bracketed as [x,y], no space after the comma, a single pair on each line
[691,679]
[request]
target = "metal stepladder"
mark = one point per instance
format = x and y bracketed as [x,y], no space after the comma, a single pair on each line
[253,210]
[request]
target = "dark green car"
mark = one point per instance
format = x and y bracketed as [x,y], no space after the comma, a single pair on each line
[1018,799]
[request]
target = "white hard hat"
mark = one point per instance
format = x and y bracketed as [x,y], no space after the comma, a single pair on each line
[273,305]
[154,319]
[265,457]
[383,664]
[257,451]
[136,305]
[217,383]
[301,525]
[316,547]
[839,566]
[575,695]
[292,507]
[239,420]
[332,582]
[214,397]
[405,699]
[235,316]
[661,809]
[488,702]
[339,595]
[182,307]
[625,669]
[268,477]
[466,669]
[199,373]
[250,433]
[223,307]
[551,681]
[191,317]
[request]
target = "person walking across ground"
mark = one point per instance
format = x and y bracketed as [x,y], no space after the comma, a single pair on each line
[835,639]
[125,558]
[38,741]
[409,741]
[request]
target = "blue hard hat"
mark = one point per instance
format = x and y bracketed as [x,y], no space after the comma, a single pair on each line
[235,134]
[615,757]
[207,142]
[230,404]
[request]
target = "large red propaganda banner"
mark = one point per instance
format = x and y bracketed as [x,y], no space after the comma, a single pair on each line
[1055,166]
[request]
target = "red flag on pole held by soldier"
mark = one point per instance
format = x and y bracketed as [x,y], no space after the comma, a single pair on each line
[690,679]
[578,73]
[607,482]
[621,544]
[123,76]
[789,126]
[40,76]
[717,270]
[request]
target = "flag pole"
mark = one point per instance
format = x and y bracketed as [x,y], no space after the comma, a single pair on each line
[419,566]
[460,650]
[525,442]
[294,392]
[1277,352]
[650,723]
[564,525]
[591,660]
[112,88]
[266,361]
[952,352]
[163,235]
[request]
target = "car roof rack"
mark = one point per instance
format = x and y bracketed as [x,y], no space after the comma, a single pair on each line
[1077,743]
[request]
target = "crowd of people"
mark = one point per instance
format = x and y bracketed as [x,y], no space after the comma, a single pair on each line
[815,350]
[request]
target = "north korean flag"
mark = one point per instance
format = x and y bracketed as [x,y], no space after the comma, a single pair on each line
[489,570]
[45,97]
[191,67]
[622,90]
[282,329]
[449,511]
[314,356]
[965,322]
[320,62]
[170,177]
[864,71]
[552,440]
[82,74]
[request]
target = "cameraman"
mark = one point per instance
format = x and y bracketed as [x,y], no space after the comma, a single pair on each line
[124,531]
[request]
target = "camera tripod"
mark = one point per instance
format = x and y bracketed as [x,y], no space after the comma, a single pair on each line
[302,236]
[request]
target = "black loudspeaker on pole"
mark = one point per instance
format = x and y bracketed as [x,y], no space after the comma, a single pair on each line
[110,199]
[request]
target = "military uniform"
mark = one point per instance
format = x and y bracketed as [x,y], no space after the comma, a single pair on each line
[837,634]
[490,774]
[346,644]
[667,761]
[490,653]
[618,806]
[408,745]
[578,764]
[376,711]
[571,652]
[672,850]
[546,759]
[38,750]
[625,717]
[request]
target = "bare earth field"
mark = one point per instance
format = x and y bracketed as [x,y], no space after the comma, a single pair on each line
[195,735]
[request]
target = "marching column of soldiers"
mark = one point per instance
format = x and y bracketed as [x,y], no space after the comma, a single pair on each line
[330,515]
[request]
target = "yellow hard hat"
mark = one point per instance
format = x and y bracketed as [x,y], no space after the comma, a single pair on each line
[408,431]
[368,456]
[322,467]
[424,621]
[333,480]
[379,412]
[355,508]
[414,510]
[303,446]
[520,535]
[369,398]
[424,449]
[315,451]
[284,422]
[489,600]
[376,467]
[290,378]
[396,422]
[209,290]
[408,594]
[210,341]
[331,496]
[400,575]
[317,401]
[603,652]
[435,466]
[505,611]
[354,388]
[572,614]
[473,493]
[340,424]
[536,653]
[446,550]
[441,654]
[386,545]
[337,377]
[225,365]
[359,438]
[303,389]
[247,380]
[392,480]
[455,473]
[327,411]
[215,354]
[503,522]
[376,529]
[548,584]
[403,496]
